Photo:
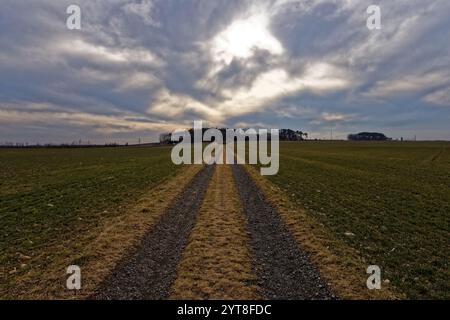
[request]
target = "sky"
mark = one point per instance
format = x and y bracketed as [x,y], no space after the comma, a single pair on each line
[139,68]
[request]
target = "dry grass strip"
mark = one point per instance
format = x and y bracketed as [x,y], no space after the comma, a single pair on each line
[217,263]
[98,250]
[340,265]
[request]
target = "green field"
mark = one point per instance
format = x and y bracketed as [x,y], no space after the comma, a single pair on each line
[389,200]
[394,197]
[48,195]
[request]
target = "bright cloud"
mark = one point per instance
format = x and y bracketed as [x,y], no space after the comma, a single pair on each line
[243,37]
[334,117]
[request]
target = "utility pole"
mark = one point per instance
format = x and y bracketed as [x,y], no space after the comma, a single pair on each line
[331,134]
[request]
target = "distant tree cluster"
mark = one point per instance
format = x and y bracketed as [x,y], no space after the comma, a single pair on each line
[368,136]
[291,135]
[285,135]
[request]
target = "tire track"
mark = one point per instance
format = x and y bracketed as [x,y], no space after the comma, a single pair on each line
[283,268]
[149,271]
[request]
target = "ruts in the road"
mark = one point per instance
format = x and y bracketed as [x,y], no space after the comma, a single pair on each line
[260,260]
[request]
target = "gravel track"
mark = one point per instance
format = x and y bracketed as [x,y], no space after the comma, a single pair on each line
[283,268]
[149,271]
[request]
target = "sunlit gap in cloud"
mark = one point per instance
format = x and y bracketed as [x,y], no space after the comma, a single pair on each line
[242,37]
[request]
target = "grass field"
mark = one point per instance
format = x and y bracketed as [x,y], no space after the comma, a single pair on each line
[50,195]
[391,201]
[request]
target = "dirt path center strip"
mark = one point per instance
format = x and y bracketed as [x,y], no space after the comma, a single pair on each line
[217,263]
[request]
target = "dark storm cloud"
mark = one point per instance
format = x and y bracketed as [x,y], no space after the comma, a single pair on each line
[141,67]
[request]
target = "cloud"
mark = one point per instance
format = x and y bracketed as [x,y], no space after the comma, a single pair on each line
[242,38]
[439,97]
[98,53]
[267,88]
[277,83]
[142,66]
[335,117]
[46,115]
[177,105]
[143,9]
[411,83]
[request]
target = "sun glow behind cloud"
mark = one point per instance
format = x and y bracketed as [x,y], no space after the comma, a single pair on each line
[242,37]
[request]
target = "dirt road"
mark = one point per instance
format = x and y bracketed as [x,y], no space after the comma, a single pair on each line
[219,240]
